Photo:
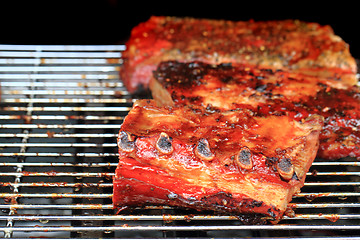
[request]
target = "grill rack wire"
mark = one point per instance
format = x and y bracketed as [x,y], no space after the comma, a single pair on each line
[61,109]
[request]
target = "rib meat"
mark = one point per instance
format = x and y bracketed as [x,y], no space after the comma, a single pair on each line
[290,44]
[225,161]
[266,92]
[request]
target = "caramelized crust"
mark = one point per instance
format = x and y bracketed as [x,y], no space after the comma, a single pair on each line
[290,44]
[226,161]
[266,92]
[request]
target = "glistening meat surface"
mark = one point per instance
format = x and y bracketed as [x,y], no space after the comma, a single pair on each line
[290,44]
[267,92]
[229,161]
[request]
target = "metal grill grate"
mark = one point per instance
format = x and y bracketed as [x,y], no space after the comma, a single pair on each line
[61,109]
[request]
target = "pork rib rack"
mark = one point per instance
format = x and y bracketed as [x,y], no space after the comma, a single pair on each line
[266,92]
[228,162]
[290,44]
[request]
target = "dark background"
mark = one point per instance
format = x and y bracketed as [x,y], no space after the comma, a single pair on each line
[110,21]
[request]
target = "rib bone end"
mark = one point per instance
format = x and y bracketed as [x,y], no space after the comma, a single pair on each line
[243,158]
[285,168]
[126,142]
[163,144]
[203,151]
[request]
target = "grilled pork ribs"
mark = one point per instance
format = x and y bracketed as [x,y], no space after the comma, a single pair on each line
[226,161]
[290,44]
[238,113]
[266,92]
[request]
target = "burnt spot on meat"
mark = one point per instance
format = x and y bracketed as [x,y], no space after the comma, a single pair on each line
[211,109]
[225,65]
[257,203]
[126,142]
[323,85]
[203,151]
[285,168]
[183,75]
[271,213]
[163,144]
[268,70]
[270,161]
[243,158]
[251,204]
[227,79]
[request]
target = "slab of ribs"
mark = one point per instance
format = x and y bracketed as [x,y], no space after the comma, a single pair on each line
[240,111]
[290,44]
[227,161]
[266,92]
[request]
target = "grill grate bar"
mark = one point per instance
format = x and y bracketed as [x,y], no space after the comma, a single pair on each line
[110,206]
[54,164]
[62,48]
[67,145]
[60,69]
[121,218]
[58,206]
[327,194]
[334,174]
[62,126]
[57,184]
[66,92]
[164,217]
[59,117]
[65,100]
[66,184]
[337,184]
[54,195]
[65,135]
[327,205]
[41,54]
[71,83]
[58,61]
[52,154]
[336,163]
[126,227]
[57,174]
[68,109]
[111,174]
[61,164]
